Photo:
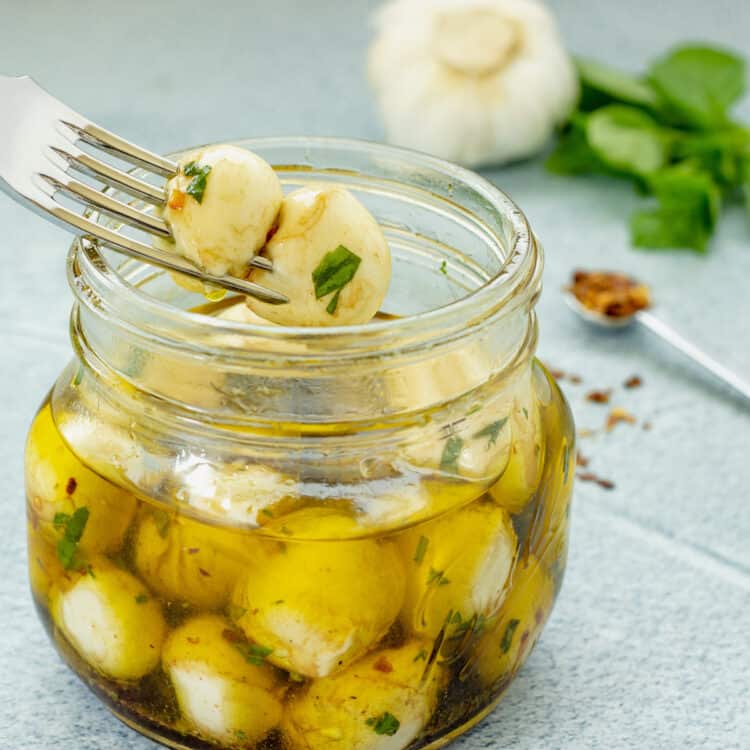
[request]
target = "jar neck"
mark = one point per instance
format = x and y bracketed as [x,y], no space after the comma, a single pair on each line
[212,371]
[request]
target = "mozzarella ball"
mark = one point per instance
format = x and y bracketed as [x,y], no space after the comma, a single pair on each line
[319,604]
[222,690]
[505,645]
[111,620]
[221,206]
[184,560]
[329,257]
[523,473]
[58,484]
[457,568]
[381,702]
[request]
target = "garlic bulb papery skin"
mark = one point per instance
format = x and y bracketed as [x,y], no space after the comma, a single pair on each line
[473,81]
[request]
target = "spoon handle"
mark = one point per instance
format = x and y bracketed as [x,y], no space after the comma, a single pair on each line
[668,334]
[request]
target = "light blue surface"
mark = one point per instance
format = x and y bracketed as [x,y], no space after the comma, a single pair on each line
[649,644]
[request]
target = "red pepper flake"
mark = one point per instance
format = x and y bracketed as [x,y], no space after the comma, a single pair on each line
[589,476]
[204,572]
[193,550]
[562,375]
[176,200]
[557,374]
[581,460]
[71,486]
[634,381]
[383,665]
[525,637]
[618,415]
[647,426]
[575,379]
[193,641]
[539,616]
[232,636]
[599,397]
[613,294]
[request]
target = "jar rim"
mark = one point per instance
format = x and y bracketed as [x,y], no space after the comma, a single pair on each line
[107,289]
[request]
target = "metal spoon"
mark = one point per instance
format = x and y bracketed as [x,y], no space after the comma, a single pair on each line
[666,333]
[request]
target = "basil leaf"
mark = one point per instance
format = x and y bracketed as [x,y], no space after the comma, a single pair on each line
[197,186]
[72,527]
[720,153]
[451,454]
[699,84]
[386,724]
[333,273]
[492,431]
[507,639]
[573,154]
[628,139]
[689,202]
[602,84]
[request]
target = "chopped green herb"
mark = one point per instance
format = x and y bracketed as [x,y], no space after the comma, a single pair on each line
[525,412]
[507,638]
[386,724]
[78,376]
[236,612]
[451,454]
[90,571]
[72,527]
[421,656]
[437,576]
[444,268]
[492,431]
[141,598]
[422,545]
[254,653]
[267,512]
[333,273]
[474,409]
[240,734]
[197,186]
[162,521]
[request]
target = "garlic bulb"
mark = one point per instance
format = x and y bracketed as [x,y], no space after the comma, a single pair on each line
[473,81]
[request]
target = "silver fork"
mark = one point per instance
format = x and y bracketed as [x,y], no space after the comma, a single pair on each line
[38,152]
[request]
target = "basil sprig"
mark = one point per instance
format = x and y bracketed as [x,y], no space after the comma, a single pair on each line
[333,273]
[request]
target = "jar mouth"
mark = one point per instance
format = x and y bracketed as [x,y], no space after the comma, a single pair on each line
[115,290]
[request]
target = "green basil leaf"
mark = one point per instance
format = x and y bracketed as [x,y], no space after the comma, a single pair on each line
[720,153]
[451,454]
[386,724]
[698,84]
[197,186]
[573,155]
[333,273]
[688,207]
[602,84]
[628,139]
[492,431]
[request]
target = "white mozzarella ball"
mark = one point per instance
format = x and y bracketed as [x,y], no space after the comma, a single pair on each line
[222,689]
[457,567]
[319,605]
[381,702]
[111,620]
[221,206]
[329,257]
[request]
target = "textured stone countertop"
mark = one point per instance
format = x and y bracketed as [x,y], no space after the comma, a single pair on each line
[649,644]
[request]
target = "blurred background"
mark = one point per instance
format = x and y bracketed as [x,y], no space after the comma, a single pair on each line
[648,643]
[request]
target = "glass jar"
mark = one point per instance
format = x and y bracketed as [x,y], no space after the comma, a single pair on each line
[243,535]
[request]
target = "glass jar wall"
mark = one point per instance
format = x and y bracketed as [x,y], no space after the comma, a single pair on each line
[249,536]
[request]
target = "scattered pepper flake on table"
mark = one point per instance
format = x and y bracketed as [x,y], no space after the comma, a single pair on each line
[618,415]
[610,293]
[599,397]
[581,460]
[589,476]
[634,381]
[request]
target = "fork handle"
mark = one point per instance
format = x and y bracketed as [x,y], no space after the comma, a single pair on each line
[679,342]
